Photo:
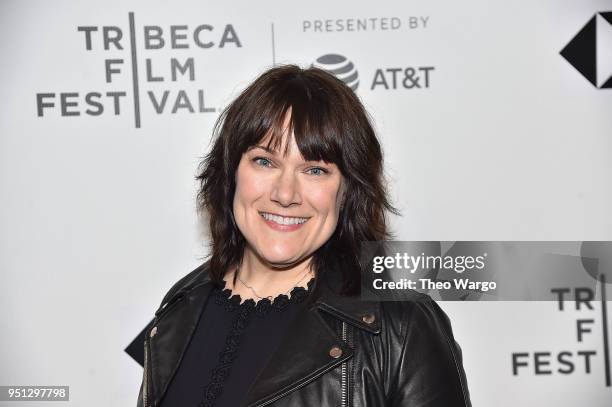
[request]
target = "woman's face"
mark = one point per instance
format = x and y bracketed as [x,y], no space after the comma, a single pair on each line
[286,207]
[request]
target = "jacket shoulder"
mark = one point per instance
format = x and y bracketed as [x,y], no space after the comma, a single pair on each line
[404,309]
[418,317]
[193,279]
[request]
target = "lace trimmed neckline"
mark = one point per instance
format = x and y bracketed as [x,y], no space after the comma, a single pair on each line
[232,302]
[223,296]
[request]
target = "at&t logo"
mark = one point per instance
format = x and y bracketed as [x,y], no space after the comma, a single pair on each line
[387,78]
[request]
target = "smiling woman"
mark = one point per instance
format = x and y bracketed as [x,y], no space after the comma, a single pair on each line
[292,185]
[295,143]
[286,207]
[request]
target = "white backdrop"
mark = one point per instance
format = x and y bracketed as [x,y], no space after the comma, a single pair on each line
[503,140]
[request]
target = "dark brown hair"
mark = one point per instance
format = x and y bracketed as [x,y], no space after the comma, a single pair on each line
[329,124]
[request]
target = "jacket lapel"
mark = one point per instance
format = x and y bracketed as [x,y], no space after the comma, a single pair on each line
[304,354]
[172,335]
[352,310]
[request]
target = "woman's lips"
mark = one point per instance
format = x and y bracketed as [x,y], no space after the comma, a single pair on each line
[282,227]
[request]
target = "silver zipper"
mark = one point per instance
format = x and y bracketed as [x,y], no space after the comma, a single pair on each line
[145,383]
[344,367]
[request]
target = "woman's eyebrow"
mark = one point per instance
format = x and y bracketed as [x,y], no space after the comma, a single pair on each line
[269,150]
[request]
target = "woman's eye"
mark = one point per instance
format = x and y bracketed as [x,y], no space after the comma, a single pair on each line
[264,162]
[317,171]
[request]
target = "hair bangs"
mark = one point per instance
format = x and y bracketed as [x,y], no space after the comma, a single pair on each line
[301,112]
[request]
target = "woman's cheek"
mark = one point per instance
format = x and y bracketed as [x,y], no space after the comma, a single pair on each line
[327,197]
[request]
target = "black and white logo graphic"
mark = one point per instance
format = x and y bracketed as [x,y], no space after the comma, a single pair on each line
[590,51]
[340,67]
[392,78]
[160,62]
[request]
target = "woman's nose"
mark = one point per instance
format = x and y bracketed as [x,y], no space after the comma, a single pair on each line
[285,190]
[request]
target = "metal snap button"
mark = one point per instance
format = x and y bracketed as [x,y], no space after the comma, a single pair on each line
[153,332]
[368,318]
[335,352]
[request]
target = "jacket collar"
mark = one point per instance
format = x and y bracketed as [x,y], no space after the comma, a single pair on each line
[302,356]
[351,309]
[347,308]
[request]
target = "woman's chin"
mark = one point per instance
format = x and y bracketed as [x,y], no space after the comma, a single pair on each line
[281,259]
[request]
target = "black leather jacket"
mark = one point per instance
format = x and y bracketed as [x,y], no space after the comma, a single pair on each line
[340,351]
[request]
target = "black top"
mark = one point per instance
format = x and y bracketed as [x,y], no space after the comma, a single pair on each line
[230,345]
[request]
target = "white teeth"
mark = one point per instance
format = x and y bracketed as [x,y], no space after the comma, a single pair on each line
[283,220]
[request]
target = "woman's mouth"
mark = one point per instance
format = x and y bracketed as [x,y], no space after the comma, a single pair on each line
[283,223]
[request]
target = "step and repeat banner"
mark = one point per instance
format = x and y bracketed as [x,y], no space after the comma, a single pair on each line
[495,119]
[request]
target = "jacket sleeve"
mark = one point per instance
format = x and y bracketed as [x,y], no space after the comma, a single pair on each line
[429,370]
[136,347]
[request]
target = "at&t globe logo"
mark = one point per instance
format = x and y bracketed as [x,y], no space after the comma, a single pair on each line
[340,67]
